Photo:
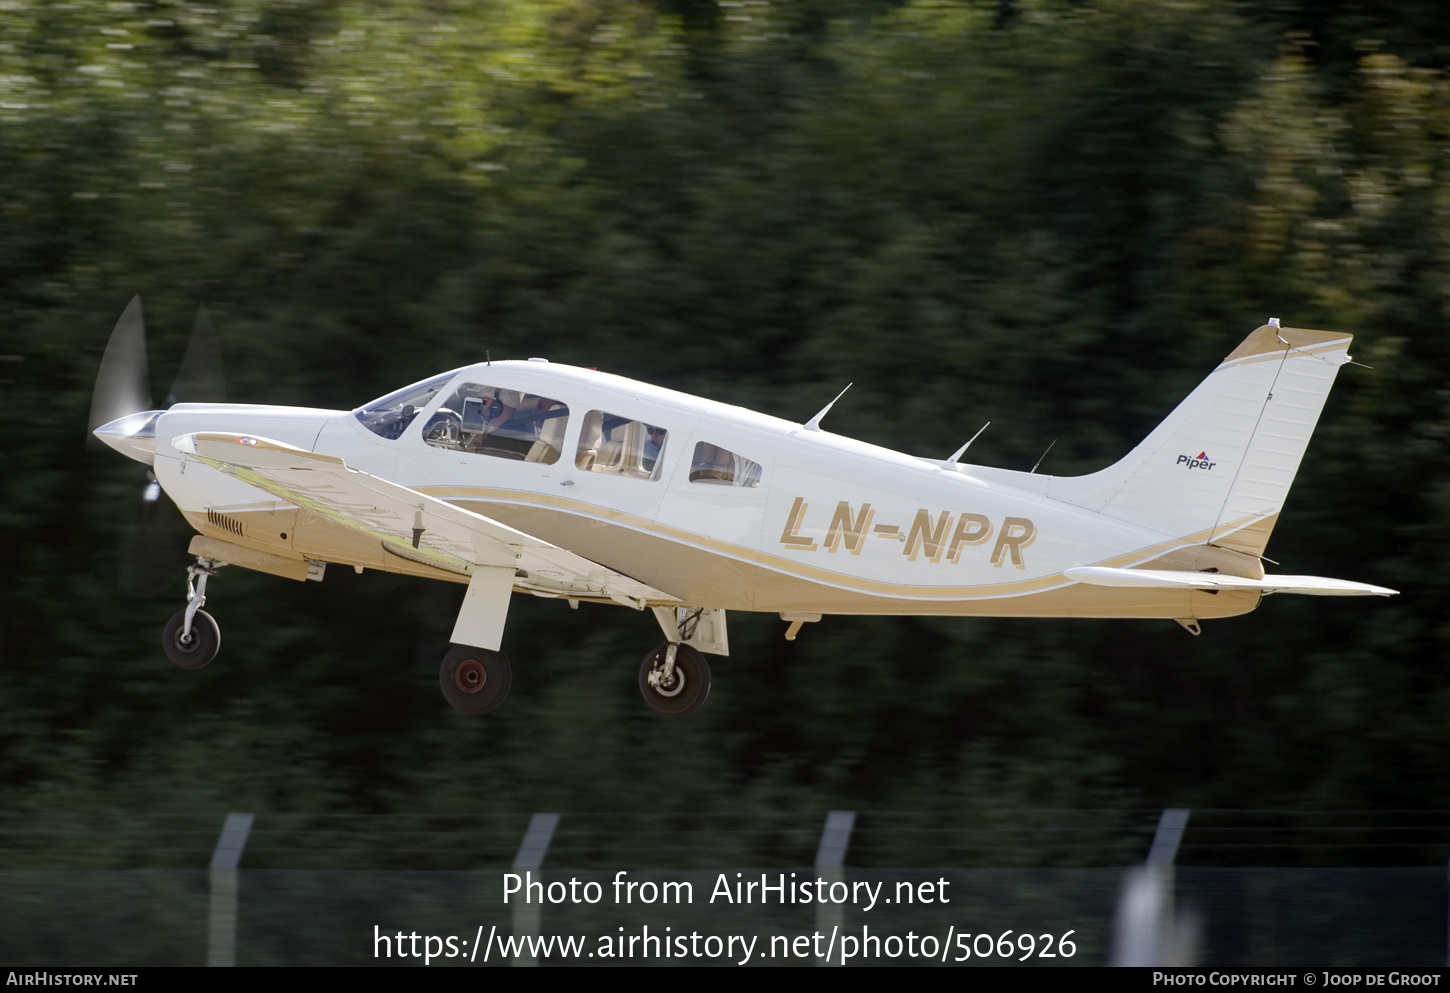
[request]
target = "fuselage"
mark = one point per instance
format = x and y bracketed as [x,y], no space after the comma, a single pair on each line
[714,504]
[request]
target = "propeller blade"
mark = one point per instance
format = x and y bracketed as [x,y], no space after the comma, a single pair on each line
[153,555]
[122,385]
[200,378]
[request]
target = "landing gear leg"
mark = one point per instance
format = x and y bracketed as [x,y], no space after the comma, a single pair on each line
[191,638]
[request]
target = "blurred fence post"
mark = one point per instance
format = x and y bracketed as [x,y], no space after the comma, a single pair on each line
[221,945]
[528,916]
[830,859]
[1171,824]
[1146,929]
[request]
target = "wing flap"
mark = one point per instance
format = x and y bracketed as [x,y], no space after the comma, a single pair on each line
[1178,579]
[411,524]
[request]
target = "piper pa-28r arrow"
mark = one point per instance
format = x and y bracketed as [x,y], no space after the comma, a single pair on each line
[534,477]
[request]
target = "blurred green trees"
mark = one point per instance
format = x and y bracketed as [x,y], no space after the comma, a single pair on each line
[1057,216]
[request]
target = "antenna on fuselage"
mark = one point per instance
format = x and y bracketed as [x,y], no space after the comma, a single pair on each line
[487,357]
[814,424]
[1044,455]
[951,462]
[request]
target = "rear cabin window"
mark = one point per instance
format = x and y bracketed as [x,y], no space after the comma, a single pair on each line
[620,446]
[712,464]
[486,420]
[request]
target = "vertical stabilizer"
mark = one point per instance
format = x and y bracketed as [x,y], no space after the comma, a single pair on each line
[1218,468]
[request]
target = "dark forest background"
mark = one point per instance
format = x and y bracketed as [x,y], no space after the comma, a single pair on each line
[1054,215]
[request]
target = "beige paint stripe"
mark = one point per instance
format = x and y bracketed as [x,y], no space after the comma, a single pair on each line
[798,569]
[739,552]
[1271,356]
[1265,344]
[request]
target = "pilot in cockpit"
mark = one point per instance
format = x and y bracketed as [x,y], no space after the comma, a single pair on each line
[473,412]
[497,408]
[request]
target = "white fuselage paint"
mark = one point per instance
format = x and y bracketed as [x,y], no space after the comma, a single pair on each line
[962,537]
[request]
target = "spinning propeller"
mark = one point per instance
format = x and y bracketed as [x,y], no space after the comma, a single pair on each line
[123,417]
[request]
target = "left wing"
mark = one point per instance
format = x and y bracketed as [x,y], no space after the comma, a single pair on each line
[1096,575]
[494,556]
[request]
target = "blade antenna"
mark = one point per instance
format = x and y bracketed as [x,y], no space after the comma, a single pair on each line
[814,424]
[1044,455]
[951,462]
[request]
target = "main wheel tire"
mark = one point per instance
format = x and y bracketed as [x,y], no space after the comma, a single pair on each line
[686,691]
[201,648]
[475,680]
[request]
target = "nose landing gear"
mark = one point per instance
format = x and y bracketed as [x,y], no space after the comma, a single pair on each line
[191,638]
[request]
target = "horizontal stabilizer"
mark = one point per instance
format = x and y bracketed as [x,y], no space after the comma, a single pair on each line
[1095,575]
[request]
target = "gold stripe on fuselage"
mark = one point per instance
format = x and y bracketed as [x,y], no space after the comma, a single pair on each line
[705,571]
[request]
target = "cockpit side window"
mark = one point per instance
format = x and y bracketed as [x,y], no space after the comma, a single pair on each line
[507,424]
[390,416]
[713,464]
[619,446]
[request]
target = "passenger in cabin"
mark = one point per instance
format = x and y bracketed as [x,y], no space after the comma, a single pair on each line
[653,445]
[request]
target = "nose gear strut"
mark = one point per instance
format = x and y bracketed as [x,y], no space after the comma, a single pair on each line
[191,638]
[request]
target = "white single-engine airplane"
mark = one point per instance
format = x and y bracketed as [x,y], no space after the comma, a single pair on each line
[533,477]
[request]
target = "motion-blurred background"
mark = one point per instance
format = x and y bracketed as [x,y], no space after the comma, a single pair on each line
[1054,215]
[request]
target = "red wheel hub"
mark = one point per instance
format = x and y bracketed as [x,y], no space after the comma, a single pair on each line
[470,676]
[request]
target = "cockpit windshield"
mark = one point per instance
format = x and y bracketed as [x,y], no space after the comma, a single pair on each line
[390,416]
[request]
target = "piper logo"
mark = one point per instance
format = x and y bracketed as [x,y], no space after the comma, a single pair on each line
[1199,461]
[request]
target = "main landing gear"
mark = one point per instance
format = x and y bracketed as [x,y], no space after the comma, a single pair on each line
[475,680]
[191,638]
[674,678]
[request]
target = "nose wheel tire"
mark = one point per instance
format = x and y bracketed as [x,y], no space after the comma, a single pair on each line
[197,650]
[475,680]
[687,688]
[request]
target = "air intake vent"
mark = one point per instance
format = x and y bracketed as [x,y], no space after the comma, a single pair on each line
[224,522]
